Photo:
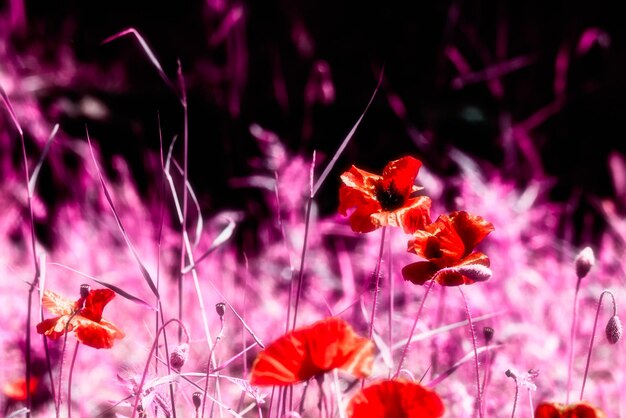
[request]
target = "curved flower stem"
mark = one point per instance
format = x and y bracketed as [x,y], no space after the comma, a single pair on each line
[307,225]
[485,376]
[208,366]
[58,398]
[377,276]
[516,396]
[408,342]
[69,382]
[471,326]
[571,343]
[145,371]
[593,334]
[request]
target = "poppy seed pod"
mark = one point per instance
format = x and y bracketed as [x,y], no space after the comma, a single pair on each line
[488,333]
[614,330]
[179,356]
[220,308]
[84,290]
[584,261]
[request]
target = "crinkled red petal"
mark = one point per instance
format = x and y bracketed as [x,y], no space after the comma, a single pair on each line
[358,188]
[438,243]
[414,215]
[304,353]
[395,398]
[402,173]
[57,305]
[95,303]
[97,335]
[548,410]
[367,218]
[471,228]
[419,272]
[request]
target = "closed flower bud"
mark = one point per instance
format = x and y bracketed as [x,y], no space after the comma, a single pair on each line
[614,330]
[197,399]
[584,261]
[179,356]
[220,308]
[488,333]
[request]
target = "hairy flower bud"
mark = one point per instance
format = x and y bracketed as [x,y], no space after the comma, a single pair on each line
[584,261]
[476,272]
[197,399]
[220,308]
[488,333]
[84,290]
[179,356]
[614,330]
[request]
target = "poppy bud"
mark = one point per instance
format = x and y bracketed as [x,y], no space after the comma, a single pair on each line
[488,333]
[84,290]
[197,399]
[220,308]
[476,272]
[614,330]
[584,261]
[179,356]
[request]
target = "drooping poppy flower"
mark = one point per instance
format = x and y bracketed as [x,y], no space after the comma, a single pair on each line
[84,317]
[386,199]
[447,245]
[577,410]
[311,351]
[395,399]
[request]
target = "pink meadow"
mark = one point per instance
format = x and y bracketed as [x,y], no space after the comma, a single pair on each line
[188,233]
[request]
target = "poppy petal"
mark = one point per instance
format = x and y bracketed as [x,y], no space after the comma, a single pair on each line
[402,173]
[95,303]
[419,272]
[438,243]
[304,353]
[56,304]
[414,215]
[53,328]
[358,188]
[452,278]
[367,218]
[332,343]
[582,410]
[16,390]
[395,398]
[471,228]
[548,410]
[97,335]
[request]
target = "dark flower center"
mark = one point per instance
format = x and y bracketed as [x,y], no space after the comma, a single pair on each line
[389,197]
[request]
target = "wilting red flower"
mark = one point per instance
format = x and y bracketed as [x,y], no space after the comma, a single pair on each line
[448,242]
[84,317]
[384,200]
[311,351]
[577,410]
[397,399]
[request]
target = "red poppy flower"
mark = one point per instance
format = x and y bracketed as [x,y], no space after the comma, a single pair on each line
[84,317]
[448,242]
[577,410]
[395,399]
[16,390]
[384,200]
[307,352]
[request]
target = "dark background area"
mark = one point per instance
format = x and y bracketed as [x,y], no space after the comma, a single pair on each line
[284,40]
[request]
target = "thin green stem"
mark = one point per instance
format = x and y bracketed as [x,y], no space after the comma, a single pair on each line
[69,382]
[471,326]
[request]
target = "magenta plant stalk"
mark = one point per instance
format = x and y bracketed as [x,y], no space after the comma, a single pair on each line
[69,381]
[471,327]
[208,366]
[570,361]
[145,371]
[593,334]
[377,278]
[408,342]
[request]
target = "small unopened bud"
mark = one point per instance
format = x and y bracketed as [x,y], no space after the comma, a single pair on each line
[84,290]
[488,334]
[179,356]
[614,330]
[584,261]
[197,399]
[510,373]
[476,272]
[220,308]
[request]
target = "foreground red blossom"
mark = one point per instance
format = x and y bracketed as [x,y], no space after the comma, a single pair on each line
[577,410]
[386,199]
[395,399]
[448,242]
[84,317]
[16,390]
[311,351]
